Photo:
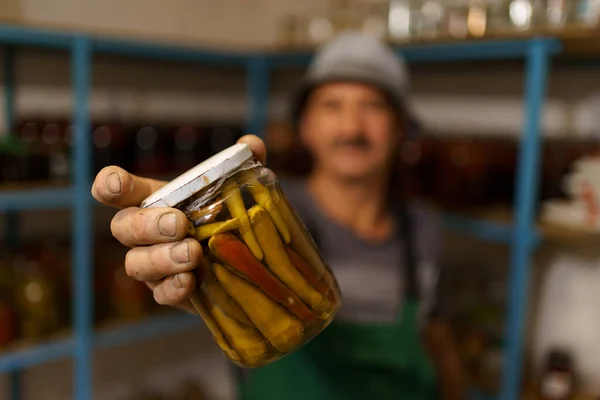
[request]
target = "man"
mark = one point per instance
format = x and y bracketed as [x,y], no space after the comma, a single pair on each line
[351,114]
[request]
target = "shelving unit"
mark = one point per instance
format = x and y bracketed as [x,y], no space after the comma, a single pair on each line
[520,235]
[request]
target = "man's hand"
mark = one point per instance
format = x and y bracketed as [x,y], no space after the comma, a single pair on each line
[160,254]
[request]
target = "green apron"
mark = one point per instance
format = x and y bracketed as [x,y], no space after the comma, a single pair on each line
[351,362]
[355,361]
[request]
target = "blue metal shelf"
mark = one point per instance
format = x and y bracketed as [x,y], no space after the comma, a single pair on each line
[520,236]
[488,231]
[167,52]
[476,50]
[484,230]
[16,35]
[39,199]
[464,51]
[127,333]
[36,199]
[21,359]
[148,329]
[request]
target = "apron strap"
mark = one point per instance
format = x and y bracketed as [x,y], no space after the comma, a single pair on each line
[405,226]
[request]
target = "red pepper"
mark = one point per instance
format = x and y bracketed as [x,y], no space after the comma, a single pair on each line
[311,276]
[233,252]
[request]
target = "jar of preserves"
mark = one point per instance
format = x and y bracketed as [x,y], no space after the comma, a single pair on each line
[265,289]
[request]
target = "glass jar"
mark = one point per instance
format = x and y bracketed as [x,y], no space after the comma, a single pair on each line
[265,289]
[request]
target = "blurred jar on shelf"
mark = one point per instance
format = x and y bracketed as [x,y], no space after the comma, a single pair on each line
[221,136]
[559,13]
[404,19]
[497,19]
[432,15]
[57,150]
[14,160]
[558,380]
[109,145]
[34,164]
[346,15]
[374,18]
[582,12]
[28,132]
[286,31]
[294,31]
[152,145]
[54,259]
[527,14]
[320,30]
[36,299]
[456,21]
[117,295]
[8,329]
[129,298]
[187,145]
[477,18]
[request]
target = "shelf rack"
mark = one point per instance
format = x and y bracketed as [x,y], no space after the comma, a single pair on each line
[520,235]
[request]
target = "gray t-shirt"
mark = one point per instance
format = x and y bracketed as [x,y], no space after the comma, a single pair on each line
[371,276]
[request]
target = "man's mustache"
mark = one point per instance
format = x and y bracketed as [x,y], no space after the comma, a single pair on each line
[360,141]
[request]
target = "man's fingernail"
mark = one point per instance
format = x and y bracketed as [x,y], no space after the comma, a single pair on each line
[113,183]
[181,280]
[167,225]
[180,253]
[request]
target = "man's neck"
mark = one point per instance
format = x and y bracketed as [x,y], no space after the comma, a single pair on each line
[361,206]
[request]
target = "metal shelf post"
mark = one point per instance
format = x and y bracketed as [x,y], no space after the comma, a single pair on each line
[9,88]
[523,239]
[12,218]
[81,58]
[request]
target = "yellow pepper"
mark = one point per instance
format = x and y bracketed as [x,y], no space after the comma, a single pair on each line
[280,328]
[235,204]
[205,231]
[279,263]
[202,306]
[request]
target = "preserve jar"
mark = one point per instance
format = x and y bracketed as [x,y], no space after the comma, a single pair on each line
[264,288]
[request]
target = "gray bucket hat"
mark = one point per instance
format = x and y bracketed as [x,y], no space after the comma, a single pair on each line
[357,57]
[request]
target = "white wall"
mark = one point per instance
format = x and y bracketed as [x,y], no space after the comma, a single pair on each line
[231,22]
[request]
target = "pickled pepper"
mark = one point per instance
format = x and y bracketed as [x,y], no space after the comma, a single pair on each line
[217,295]
[262,196]
[233,252]
[203,232]
[235,204]
[309,273]
[300,241]
[280,328]
[279,263]
[247,342]
[202,306]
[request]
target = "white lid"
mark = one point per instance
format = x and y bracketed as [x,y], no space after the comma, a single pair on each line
[199,177]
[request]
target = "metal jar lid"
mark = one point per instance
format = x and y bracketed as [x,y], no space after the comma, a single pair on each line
[201,176]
